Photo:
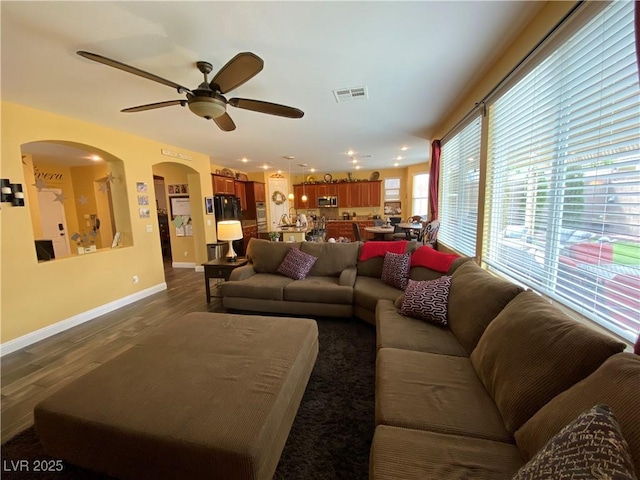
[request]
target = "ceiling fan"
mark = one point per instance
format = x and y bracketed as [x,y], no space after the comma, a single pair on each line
[207,99]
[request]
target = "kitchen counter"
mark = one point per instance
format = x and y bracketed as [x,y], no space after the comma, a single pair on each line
[293,234]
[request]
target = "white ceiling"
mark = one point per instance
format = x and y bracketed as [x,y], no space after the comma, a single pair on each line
[415,58]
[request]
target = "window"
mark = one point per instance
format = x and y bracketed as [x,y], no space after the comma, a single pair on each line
[420,194]
[563,175]
[458,189]
[392,189]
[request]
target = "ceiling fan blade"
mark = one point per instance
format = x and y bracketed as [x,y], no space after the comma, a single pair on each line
[241,68]
[128,68]
[225,123]
[266,107]
[151,106]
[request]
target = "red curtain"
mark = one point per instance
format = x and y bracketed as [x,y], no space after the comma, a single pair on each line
[636,349]
[434,176]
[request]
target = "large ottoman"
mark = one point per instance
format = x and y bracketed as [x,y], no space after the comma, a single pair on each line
[208,395]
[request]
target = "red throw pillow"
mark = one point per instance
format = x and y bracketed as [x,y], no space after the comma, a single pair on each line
[428,257]
[379,249]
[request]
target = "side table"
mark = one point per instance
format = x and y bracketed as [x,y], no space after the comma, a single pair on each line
[220,268]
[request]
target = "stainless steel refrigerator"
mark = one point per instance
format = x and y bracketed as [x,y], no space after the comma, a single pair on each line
[227,207]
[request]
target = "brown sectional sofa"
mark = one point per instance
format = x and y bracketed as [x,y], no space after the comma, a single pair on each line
[338,285]
[478,399]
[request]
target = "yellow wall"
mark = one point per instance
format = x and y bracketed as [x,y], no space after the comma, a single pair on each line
[42,294]
[533,33]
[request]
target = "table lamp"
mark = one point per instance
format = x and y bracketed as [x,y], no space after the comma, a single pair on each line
[230,230]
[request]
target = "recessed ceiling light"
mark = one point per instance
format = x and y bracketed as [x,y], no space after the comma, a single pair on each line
[353,160]
[245,159]
[265,166]
[398,157]
[312,170]
[404,148]
[279,171]
[396,164]
[95,158]
[357,167]
[350,152]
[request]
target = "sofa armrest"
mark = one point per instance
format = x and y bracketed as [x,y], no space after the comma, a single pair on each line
[348,277]
[242,273]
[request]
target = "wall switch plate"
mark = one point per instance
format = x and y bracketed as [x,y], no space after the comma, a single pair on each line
[149,228]
[208,223]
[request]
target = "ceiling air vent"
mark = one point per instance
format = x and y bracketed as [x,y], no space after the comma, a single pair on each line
[349,94]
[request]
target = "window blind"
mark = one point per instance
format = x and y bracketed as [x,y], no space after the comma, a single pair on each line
[563,173]
[458,188]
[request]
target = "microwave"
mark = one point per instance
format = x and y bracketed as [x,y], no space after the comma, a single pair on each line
[328,201]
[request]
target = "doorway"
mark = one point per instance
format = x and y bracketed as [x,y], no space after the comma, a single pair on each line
[163,217]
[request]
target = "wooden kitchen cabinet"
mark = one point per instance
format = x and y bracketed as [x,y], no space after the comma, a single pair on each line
[223,185]
[344,195]
[259,191]
[241,193]
[248,233]
[325,189]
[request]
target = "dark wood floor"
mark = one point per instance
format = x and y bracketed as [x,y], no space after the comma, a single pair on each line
[33,373]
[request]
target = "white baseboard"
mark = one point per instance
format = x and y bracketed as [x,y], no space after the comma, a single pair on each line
[183,265]
[46,332]
[199,268]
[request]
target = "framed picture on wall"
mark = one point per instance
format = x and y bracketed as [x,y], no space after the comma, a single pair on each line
[141,187]
[180,206]
[208,205]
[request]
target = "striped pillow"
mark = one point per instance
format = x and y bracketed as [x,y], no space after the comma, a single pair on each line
[395,269]
[427,300]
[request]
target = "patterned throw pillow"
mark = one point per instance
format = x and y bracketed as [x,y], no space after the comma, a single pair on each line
[590,447]
[296,264]
[395,269]
[427,300]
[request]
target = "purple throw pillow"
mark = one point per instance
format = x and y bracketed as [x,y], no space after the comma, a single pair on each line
[395,269]
[427,300]
[296,264]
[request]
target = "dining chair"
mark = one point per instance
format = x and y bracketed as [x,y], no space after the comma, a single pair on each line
[356,232]
[429,234]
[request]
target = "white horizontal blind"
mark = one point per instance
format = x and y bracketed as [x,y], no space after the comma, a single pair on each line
[458,188]
[563,178]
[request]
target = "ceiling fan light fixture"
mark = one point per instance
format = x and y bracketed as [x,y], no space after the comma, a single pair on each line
[207,107]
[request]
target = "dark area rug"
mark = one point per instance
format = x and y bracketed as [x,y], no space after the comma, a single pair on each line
[330,437]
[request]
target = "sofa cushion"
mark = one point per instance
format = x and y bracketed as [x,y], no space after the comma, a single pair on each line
[591,443]
[318,290]
[397,331]
[267,256]
[395,269]
[402,454]
[296,264]
[615,383]
[333,258]
[266,286]
[427,300]
[531,352]
[438,393]
[476,297]
[367,291]
[429,257]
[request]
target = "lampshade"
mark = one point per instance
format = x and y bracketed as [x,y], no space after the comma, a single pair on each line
[229,230]
[207,107]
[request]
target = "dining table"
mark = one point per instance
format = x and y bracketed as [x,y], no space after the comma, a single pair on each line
[379,232]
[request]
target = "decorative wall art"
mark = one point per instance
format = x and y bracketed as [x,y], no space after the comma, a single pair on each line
[141,187]
[180,206]
[143,199]
[145,213]
[178,189]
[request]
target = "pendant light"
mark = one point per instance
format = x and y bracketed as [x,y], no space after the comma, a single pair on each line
[291,196]
[304,195]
